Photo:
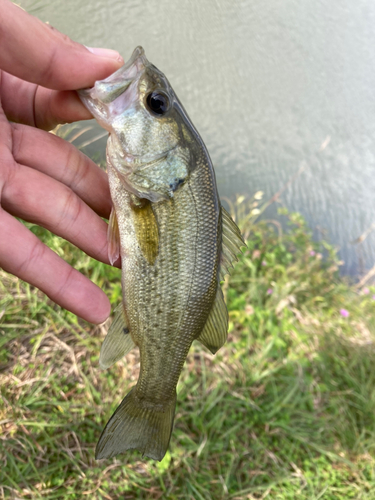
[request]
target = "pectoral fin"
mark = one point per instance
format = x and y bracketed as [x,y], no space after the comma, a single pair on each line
[232,243]
[146,230]
[113,237]
[215,331]
[118,341]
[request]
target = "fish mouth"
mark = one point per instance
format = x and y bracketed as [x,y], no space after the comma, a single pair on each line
[113,86]
[107,98]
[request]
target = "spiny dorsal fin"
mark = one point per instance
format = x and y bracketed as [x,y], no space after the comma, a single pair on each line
[118,341]
[215,331]
[232,243]
[113,237]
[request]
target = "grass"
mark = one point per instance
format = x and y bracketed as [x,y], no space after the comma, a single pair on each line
[285,410]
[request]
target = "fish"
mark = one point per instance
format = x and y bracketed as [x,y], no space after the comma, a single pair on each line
[176,244]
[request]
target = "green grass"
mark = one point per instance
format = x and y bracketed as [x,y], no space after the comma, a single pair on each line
[285,410]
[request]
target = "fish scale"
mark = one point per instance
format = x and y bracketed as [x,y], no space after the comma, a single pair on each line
[193,292]
[170,230]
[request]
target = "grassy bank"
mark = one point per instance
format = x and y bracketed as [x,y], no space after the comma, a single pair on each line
[285,410]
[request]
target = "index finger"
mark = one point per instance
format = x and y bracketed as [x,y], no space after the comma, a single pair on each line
[38,53]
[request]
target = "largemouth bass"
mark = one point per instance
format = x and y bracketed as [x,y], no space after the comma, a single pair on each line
[176,243]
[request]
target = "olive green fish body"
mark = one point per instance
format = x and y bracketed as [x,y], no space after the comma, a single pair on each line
[167,302]
[176,243]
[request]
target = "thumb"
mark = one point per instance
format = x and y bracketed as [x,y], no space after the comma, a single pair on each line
[37,52]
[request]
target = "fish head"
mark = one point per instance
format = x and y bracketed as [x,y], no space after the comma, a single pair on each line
[152,141]
[138,105]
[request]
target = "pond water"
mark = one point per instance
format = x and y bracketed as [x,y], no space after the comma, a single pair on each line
[271,86]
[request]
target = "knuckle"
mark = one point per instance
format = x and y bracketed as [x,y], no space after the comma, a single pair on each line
[7,168]
[9,184]
[17,139]
[82,170]
[60,37]
[57,79]
[61,290]
[72,166]
[70,211]
[76,168]
[48,73]
[7,162]
[35,255]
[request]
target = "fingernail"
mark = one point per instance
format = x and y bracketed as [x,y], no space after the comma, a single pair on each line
[109,53]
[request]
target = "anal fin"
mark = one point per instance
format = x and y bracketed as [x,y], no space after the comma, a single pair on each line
[118,341]
[215,331]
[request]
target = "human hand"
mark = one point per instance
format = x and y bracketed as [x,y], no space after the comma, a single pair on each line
[44,179]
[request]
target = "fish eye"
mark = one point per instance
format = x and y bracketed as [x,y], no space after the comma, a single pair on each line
[157,102]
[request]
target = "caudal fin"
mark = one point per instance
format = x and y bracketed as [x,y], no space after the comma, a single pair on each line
[133,426]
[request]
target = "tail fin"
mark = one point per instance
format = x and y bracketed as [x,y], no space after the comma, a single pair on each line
[133,426]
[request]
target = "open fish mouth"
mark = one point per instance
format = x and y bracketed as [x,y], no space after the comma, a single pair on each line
[108,99]
[111,88]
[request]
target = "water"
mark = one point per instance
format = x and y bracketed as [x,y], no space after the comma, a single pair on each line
[271,86]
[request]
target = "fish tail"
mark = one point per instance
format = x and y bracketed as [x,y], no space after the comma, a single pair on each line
[134,426]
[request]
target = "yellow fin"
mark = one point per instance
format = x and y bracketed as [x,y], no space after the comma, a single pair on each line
[113,237]
[232,243]
[118,341]
[146,229]
[215,331]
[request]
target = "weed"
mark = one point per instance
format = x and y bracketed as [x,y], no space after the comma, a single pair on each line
[285,410]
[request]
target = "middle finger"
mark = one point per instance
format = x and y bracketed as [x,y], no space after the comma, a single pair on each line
[36,197]
[62,161]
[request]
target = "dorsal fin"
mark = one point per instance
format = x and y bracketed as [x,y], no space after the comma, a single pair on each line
[118,341]
[113,238]
[232,243]
[215,331]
